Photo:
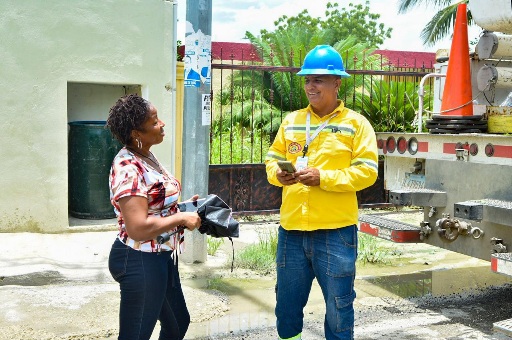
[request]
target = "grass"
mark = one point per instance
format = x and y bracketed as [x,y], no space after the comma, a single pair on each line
[371,250]
[261,256]
[239,147]
[213,244]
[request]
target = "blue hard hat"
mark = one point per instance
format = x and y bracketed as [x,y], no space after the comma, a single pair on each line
[323,59]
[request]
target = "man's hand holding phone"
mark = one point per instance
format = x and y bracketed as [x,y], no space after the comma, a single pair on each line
[286,166]
[287,174]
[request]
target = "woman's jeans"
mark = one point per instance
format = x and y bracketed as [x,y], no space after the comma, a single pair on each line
[150,291]
[330,257]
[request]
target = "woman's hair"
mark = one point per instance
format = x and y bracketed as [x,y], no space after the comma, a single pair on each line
[128,114]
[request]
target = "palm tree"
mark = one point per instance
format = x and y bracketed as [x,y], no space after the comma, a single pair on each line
[442,23]
[288,92]
[287,48]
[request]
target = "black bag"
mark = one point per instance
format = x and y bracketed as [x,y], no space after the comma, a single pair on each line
[216,218]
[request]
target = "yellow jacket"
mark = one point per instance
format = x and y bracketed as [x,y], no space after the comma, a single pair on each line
[345,153]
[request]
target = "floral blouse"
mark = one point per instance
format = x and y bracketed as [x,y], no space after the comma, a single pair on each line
[132,176]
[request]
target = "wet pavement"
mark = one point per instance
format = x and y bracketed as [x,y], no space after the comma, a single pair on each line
[58,287]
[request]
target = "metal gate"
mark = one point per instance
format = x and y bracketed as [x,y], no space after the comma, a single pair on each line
[244,187]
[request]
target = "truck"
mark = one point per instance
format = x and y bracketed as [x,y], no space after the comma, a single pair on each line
[459,173]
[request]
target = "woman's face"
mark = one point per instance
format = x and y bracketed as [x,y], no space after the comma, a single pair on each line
[152,130]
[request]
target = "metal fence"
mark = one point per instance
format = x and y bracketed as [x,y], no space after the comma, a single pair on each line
[247,105]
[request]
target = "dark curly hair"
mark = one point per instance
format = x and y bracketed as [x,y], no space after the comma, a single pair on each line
[128,114]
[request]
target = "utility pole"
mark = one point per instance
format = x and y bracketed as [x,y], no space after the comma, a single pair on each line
[196,115]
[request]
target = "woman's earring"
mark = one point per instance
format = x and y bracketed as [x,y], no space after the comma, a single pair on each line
[139,143]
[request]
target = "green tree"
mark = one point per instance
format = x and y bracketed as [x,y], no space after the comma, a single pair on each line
[250,109]
[441,25]
[277,93]
[354,32]
[285,48]
[355,21]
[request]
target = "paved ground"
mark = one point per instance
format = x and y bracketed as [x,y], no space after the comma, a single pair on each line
[58,287]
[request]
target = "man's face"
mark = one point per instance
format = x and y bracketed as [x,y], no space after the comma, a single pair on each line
[321,89]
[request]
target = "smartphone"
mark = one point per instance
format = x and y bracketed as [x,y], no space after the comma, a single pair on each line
[286,166]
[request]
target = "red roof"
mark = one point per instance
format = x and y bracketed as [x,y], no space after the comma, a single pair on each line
[228,51]
[234,51]
[409,59]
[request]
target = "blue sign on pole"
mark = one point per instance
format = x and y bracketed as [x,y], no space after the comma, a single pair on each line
[197,59]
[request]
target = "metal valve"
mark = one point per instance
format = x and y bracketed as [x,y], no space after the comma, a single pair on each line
[432,211]
[425,230]
[476,232]
[450,229]
[498,246]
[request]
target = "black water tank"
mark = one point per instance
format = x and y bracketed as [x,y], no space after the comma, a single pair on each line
[91,149]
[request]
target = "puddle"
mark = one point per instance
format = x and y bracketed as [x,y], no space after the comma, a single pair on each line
[252,301]
[251,304]
[33,279]
[434,283]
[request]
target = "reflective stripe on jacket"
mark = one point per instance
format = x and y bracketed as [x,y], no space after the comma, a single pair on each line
[345,153]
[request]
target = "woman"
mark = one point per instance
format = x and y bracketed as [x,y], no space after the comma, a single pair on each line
[145,197]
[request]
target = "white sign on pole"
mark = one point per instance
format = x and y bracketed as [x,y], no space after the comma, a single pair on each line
[206,109]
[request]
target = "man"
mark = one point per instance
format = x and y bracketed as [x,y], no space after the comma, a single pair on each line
[334,151]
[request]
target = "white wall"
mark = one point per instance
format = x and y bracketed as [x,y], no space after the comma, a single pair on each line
[47,47]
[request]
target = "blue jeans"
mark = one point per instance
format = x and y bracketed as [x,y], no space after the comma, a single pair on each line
[330,257]
[150,291]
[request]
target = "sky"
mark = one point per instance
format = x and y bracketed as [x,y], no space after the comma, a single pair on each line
[232,18]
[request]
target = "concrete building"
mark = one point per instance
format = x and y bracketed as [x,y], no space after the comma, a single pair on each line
[68,61]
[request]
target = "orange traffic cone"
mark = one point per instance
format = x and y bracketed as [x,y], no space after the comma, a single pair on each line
[457,94]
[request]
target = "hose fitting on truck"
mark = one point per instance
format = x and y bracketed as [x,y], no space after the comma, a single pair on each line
[450,228]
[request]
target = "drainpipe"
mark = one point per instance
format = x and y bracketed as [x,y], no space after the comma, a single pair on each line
[174,56]
[421,93]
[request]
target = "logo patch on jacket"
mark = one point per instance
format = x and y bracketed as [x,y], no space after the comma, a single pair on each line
[294,147]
